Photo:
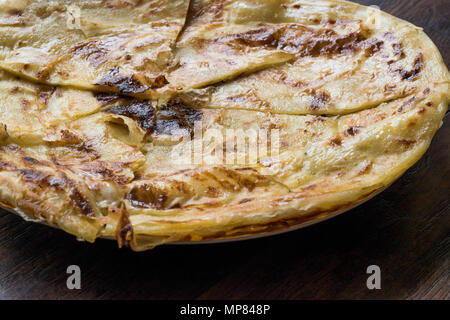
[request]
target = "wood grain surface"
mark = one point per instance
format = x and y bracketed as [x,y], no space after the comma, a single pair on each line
[405,231]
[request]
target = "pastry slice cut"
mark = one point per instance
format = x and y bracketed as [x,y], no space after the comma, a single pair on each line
[224,39]
[378,58]
[113,45]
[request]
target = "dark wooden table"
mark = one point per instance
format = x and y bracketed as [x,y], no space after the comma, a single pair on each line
[405,231]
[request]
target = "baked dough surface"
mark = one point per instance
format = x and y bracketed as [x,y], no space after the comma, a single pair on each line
[100,125]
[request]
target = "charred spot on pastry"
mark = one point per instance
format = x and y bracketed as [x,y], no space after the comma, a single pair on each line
[159,82]
[105,98]
[389,35]
[61,183]
[76,196]
[405,142]
[30,175]
[25,104]
[44,93]
[372,46]
[421,110]
[14,89]
[30,160]
[336,142]
[80,201]
[216,8]
[69,137]
[125,84]
[245,200]
[140,111]
[176,116]
[414,73]
[332,44]
[5,165]
[146,196]
[295,39]
[405,104]
[100,169]
[95,52]
[124,230]
[310,187]
[352,131]
[43,73]
[398,51]
[320,100]
[87,148]
[71,140]
[169,119]
[366,168]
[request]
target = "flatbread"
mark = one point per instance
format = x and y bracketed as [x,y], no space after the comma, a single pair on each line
[324,125]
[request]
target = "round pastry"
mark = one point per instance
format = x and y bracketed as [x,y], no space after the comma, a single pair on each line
[160,121]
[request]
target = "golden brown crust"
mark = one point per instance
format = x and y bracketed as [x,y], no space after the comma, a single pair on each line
[351,96]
